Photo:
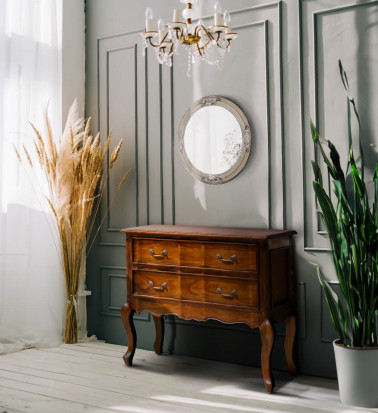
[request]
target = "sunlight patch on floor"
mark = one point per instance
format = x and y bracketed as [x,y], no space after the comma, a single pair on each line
[291,394]
[204,403]
[134,409]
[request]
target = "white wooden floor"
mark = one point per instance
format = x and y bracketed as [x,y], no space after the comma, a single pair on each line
[91,377]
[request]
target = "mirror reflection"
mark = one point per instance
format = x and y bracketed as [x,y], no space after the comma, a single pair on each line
[213,140]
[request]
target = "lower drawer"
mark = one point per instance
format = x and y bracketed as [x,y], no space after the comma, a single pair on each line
[156,284]
[229,291]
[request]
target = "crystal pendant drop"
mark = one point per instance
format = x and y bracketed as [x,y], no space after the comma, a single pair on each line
[189,71]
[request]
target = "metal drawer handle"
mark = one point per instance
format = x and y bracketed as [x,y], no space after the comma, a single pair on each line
[162,288]
[233,294]
[163,254]
[226,261]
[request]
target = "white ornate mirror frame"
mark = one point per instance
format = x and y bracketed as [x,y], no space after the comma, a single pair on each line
[239,158]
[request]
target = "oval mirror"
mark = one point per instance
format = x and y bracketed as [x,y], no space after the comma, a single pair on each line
[214,139]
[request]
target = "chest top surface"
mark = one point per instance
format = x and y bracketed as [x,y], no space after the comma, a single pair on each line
[207,232]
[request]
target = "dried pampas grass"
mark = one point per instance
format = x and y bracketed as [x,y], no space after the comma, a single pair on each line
[73,167]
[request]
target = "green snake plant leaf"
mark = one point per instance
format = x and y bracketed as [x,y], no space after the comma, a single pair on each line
[346,209]
[333,302]
[357,181]
[317,173]
[328,212]
[335,157]
[375,205]
[353,103]
[343,76]
[317,141]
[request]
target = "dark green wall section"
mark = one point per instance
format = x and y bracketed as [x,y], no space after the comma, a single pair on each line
[282,71]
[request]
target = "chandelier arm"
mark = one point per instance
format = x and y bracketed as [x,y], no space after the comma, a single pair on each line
[198,29]
[170,50]
[211,37]
[199,50]
[158,44]
[150,42]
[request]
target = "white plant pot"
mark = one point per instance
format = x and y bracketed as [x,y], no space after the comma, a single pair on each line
[357,373]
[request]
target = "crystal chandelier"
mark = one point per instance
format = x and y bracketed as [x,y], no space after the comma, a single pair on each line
[201,43]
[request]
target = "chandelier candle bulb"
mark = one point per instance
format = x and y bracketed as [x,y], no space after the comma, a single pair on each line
[227,21]
[149,17]
[217,14]
[176,16]
[161,30]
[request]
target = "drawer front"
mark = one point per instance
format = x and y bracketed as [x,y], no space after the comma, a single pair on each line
[235,257]
[232,292]
[156,284]
[154,251]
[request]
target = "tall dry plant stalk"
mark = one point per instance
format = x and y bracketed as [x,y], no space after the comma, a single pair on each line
[73,167]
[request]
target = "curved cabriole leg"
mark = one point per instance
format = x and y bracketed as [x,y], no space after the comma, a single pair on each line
[267,340]
[289,344]
[159,327]
[127,319]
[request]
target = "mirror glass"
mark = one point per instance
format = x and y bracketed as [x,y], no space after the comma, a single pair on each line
[214,139]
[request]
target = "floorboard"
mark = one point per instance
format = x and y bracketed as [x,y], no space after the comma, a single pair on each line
[92,377]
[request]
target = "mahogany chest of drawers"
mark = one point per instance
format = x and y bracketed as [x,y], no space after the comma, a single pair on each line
[233,275]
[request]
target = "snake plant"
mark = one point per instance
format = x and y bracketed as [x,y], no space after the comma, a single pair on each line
[352,225]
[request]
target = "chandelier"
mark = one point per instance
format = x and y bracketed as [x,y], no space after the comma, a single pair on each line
[207,44]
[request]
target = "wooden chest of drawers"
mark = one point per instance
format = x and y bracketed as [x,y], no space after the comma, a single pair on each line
[233,275]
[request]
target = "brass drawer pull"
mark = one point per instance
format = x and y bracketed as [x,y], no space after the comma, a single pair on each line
[233,294]
[226,261]
[163,254]
[162,288]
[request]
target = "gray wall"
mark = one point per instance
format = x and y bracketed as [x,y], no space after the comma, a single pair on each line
[282,71]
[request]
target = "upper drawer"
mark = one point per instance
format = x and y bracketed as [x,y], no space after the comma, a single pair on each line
[219,255]
[236,257]
[155,251]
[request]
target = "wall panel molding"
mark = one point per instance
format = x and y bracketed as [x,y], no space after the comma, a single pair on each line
[319,233]
[111,275]
[109,235]
[272,47]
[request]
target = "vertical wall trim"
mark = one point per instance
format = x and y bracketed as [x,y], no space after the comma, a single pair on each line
[304,209]
[173,147]
[161,145]
[146,110]
[302,302]
[316,111]
[136,137]
[267,85]
[282,115]
[107,134]
[98,85]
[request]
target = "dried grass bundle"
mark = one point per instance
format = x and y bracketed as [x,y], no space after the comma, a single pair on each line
[73,167]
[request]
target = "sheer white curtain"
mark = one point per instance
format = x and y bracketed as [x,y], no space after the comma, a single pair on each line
[31,283]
